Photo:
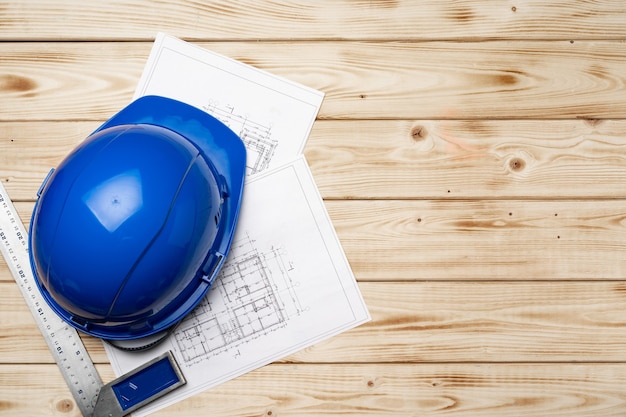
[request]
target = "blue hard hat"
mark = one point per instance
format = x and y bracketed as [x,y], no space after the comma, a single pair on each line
[131,229]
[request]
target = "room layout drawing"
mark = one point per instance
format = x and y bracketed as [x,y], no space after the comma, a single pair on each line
[253,296]
[256,136]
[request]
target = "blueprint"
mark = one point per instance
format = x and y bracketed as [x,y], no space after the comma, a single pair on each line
[286,283]
[273,116]
[257,294]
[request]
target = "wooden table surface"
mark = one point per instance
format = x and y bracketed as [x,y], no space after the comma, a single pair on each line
[471,155]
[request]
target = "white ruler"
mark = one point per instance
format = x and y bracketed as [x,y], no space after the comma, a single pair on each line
[64,343]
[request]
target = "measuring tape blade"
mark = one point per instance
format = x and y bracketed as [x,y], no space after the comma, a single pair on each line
[63,341]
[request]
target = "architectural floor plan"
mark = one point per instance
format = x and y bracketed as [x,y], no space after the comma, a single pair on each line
[254,295]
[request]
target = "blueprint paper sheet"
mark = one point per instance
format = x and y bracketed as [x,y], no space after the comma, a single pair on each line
[272,115]
[286,283]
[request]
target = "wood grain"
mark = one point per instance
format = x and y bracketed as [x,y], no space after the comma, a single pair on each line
[471,158]
[428,322]
[398,159]
[361,390]
[482,240]
[468,159]
[433,80]
[326,19]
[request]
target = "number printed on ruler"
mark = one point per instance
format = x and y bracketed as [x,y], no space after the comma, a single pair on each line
[63,341]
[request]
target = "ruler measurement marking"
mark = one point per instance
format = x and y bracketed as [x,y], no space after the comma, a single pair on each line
[63,341]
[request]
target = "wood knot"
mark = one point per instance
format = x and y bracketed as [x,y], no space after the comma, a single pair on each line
[7,405]
[65,406]
[517,164]
[506,79]
[419,133]
[513,9]
[16,84]
[593,122]
[371,383]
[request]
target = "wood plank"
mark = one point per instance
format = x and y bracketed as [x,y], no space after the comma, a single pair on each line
[399,159]
[427,322]
[433,80]
[84,81]
[389,240]
[328,20]
[482,240]
[468,159]
[365,390]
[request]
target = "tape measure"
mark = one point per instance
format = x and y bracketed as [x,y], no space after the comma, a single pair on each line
[118,398]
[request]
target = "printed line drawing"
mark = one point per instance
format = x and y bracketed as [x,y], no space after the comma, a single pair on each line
[256,137]
[253,296]
[283,221]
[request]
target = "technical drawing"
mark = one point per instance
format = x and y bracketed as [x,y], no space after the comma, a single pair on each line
[256,137]
[253,296]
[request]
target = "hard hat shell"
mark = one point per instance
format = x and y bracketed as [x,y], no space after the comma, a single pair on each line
[131,229]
